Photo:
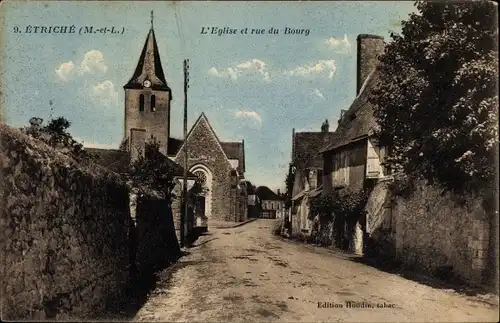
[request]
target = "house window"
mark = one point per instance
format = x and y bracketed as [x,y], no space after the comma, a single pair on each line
[373,160]
[272,206]
[141,102]
[153,103]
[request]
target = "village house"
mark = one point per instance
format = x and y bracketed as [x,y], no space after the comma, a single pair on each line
[353,161]
[271,203]
[307,166]
[427,229]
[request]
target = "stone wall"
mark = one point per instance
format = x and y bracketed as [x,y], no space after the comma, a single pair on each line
[156,242]
[380,223]
[436,233]
[65,247]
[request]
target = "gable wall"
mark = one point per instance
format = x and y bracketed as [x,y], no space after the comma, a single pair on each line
[204,149]
[352,157]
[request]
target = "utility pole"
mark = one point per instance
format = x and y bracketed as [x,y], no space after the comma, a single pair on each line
[184,186]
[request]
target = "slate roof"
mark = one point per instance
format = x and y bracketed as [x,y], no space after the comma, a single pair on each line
[112,159]
[306,148]
[358,121]
[232,149]
[235,150]
[174,145]
[149,67]
[118,161]
[265,193]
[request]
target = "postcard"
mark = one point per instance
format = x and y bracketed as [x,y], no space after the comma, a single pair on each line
[226,161]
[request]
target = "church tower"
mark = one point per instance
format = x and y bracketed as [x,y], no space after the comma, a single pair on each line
[147,95]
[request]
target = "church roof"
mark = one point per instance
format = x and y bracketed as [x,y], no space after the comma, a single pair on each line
[112,159]
[232,149]
[118,161]
[149,67]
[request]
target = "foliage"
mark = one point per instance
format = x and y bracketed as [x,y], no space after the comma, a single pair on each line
[55,134]
[290,179]
[437,100]
[152,169]
[348,202]
[402,185]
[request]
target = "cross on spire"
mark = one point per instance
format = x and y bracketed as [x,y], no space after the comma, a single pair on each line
[152,17]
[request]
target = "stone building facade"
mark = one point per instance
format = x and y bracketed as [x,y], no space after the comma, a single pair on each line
[220,166]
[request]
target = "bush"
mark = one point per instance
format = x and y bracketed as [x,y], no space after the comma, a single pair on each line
[346,202]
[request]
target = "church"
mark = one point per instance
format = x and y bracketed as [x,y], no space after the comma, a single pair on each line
[218,165]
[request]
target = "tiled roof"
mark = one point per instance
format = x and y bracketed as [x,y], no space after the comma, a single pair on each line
[306,148]
[358,121]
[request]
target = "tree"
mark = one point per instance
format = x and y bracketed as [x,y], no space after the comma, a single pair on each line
[436,100]
[55,134]
[152,169]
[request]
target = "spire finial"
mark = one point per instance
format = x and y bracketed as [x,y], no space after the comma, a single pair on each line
[152,17]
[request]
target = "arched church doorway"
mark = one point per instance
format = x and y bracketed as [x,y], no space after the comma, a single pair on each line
[205,179]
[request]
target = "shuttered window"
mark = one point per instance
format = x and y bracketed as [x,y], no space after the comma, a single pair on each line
[373,166]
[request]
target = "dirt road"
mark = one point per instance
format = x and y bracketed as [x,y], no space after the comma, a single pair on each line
[247,274]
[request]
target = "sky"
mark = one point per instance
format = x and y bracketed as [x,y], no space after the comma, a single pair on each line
[253,87]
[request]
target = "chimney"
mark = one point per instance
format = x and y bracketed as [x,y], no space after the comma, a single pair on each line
[293,144]
[342,113]
[325,126]
[137,143]
[278,191]
[370,48]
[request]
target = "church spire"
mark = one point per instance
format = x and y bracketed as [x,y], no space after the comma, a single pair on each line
[149,65]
